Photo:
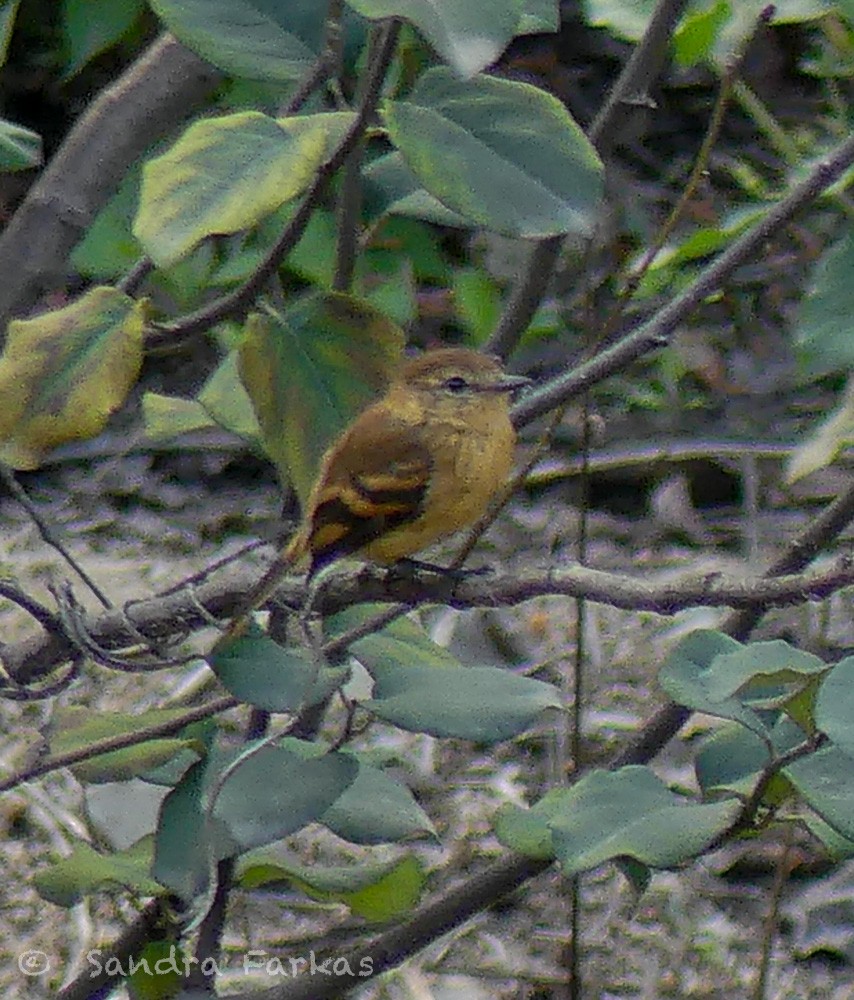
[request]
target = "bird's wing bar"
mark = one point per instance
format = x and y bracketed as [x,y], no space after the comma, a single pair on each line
[376,481]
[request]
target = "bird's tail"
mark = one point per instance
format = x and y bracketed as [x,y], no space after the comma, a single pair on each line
[290,555]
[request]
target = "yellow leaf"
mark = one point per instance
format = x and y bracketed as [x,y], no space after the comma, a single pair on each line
[63,373]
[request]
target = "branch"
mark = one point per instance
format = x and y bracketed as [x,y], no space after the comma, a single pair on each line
[146,927]
[240,300]
[627,93]
[656,332]
[120,742]
[160,618]
[149,99]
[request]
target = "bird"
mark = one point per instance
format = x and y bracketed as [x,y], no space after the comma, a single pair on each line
[419,464]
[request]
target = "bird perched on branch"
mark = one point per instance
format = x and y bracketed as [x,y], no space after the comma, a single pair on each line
[419,464]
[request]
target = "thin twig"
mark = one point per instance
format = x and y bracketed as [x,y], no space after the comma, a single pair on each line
[240,299]
[50,622]
[132,281]
[701,162]
[772,918]
[111,743]
[655,333]
[47,533]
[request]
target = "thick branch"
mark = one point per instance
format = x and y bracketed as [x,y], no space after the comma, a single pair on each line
[149,99]
[162,618]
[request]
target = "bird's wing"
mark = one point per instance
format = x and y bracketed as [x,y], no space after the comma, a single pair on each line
[374,480]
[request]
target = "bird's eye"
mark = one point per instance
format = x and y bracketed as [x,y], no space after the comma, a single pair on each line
[456,383]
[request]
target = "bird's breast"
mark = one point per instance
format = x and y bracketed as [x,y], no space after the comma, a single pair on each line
[470,463]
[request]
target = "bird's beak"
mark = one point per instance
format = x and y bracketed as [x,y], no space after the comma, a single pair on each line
[512,383]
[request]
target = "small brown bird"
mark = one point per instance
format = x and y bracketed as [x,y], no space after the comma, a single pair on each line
[421,463]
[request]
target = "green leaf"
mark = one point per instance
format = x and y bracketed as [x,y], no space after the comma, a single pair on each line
[86,871]
[539,17]
[823,326]
[226,400]
[403,643]
[834,708]
[109,249]
[625,20]
[468,36]
[393,294]
[376,891]
[259,671]
[631,813]
[272,793]
[221,402]
[825,779]
[730,761]
[376,809]
[527,831]
[184,852]
[505,155]
[763,671]
[63,373]
[309,370]
[484,704]
[167,417]
[838,847]
[75,728]
[8,13]
[132,762]
[689,680]
[247,38]
[393,189]
[93,26]
[477,301]
[695,38]
[234,801]
[697,245]
[396,190]
[226,174]
[158,971]
[419,245]
[20,148]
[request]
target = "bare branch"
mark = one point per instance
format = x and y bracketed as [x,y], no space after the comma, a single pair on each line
[656,331]
[628,92]
[160,618]
[151,97]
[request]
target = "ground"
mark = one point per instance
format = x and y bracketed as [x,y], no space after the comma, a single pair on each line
[139,523]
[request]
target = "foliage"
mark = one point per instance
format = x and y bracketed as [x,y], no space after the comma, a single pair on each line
[242,221]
